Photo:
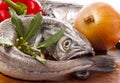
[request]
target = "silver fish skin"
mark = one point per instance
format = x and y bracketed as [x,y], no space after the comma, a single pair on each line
[16,64]
[61,10]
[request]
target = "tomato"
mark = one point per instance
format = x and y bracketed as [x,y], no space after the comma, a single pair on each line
[23,1]
[24,7]
[33,7]
[100,23]
[3,5]
[4,14]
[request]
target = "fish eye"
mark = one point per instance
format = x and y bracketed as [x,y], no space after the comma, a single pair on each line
[66,44]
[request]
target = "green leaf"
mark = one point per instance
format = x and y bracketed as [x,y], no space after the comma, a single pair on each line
[35,49]
[5,42]
[18,25]
[53,39]
[33,27]
[28,50]
[42,60]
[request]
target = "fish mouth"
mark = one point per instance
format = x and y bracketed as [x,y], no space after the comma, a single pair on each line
[81,54]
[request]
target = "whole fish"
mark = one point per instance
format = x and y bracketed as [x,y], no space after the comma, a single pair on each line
[67,51]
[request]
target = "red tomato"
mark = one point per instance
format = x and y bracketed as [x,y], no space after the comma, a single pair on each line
[23,1]
[33,7]
[4,14]
[3,5]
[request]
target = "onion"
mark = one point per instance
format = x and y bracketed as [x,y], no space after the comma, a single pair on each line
[100,23]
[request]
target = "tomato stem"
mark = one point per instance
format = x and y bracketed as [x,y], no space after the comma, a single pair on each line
[15,6]
[89,19]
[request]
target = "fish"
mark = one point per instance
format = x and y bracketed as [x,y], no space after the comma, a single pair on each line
[62,10]
[17,64]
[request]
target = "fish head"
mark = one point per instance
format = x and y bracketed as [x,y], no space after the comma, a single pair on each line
[71,45]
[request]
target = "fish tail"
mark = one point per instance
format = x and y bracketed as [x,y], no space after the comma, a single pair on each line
[102,64]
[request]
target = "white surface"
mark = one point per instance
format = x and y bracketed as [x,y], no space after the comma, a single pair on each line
[113,3]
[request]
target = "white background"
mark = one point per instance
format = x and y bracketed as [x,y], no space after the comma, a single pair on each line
[113,3]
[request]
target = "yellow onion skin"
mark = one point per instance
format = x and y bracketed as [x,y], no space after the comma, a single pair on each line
[100,23]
